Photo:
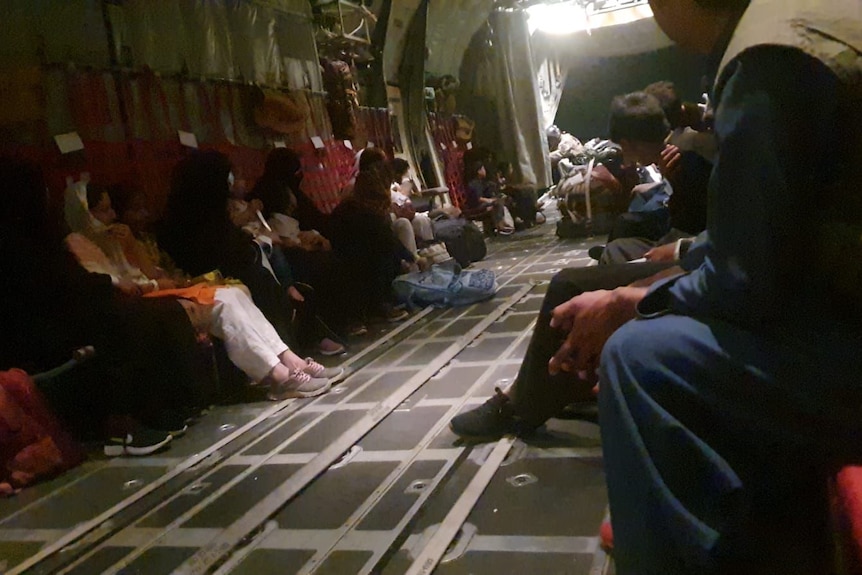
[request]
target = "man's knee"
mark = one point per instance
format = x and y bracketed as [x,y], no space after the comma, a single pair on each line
[625,345]
[561,290]
[649,351]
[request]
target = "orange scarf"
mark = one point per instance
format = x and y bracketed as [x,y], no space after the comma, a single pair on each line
[201,293]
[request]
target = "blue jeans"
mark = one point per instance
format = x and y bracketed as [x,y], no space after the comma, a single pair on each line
[708,430]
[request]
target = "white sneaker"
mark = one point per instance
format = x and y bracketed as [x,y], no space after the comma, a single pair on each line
[300,384]
[315,369]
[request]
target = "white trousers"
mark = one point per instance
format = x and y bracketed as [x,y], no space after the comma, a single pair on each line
[252,343]
[422,228]
[404,232]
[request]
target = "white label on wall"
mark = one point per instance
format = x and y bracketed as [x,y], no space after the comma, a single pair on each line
[279,144]
[443,146]
[469,145]
[318,142]
[454,144]
[369,145]
[188,139]
[348,144]
[70,142]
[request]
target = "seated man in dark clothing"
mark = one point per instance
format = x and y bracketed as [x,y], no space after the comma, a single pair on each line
[536,396]
[686,163]
[731,393]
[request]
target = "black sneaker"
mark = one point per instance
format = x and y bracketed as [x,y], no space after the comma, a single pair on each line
[490,421]
[596,252]
[174,423]
[142,441]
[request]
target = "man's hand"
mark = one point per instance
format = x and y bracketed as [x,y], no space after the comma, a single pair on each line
[665,253]
[591,319]
[669,165]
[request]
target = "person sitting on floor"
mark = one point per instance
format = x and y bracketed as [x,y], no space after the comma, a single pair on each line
[292,216]
[284,167]
[639,126]
[199,236]
[277,192]
[314,269]
[364,240]
[225,312]
[482,194]
[401,226]
[402,192]
[523,200]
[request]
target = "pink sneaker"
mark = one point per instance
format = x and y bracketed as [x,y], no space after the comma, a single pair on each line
[314,369]
[299,384]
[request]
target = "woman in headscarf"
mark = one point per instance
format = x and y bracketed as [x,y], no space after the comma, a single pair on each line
[363,238]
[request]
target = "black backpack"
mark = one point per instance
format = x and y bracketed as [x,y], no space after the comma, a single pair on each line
[464,241]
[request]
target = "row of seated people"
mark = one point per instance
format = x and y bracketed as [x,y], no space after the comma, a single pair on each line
[146,295]
[144,323]
[728,376]
[491,195]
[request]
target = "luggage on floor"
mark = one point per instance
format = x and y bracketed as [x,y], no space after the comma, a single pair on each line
[464,241]
[444,285]
[568,229]
[436,253]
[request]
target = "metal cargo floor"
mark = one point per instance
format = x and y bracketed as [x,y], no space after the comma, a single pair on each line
[366,479]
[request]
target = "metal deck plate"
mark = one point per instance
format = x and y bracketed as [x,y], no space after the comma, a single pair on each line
[539,514]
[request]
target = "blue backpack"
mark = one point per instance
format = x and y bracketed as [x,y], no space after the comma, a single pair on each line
[444,285]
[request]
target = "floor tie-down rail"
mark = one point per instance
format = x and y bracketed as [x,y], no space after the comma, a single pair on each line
[387,477]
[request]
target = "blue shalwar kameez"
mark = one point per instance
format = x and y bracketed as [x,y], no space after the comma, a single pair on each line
[741,382]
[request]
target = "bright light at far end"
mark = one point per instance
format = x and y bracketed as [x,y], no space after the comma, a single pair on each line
[561,18]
